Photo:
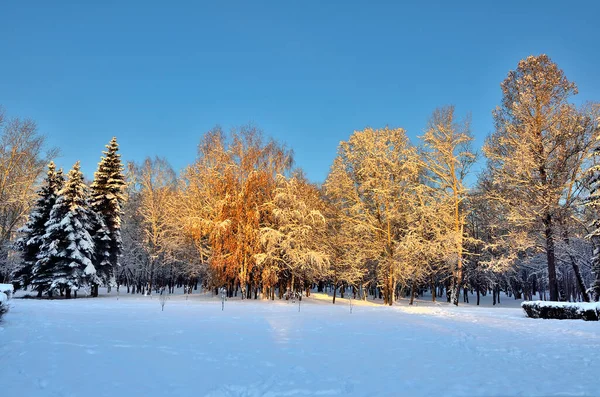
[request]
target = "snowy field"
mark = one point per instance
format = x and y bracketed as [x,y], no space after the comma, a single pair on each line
[110,347]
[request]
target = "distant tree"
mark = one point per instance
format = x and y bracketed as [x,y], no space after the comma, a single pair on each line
[107,196]
[538,146]
[135,258]
[371,181]
[157,183]
[350,259]
[448,157]
[293,242]
[31,238]
[67,251]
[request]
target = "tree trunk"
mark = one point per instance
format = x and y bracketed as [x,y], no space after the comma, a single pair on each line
[334,292]
[151,277]
[498,293]
[68,293]
[455,293]
[579,279]
[552,281]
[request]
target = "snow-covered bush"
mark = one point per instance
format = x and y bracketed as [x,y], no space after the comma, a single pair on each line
[6,291]
[562,310]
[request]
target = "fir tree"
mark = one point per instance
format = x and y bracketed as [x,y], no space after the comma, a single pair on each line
[65,259]
[32,232]
[102,250]
[106,200]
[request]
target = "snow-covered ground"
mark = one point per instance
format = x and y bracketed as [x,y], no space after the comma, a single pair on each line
[108,347]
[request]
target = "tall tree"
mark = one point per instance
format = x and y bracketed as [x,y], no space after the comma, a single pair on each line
[157,183]
[229,184]
[30,241]
[593,201]
[107,196]
[22,162]
[448,158]
[67,251]
[371,181]
[539,142]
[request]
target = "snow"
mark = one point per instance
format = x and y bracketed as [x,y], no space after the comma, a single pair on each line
[6,288]
[575,305]
[106,347]
[589,311]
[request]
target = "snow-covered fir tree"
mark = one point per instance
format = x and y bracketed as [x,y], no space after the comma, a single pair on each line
[30,241]
[593,202]
[107,197]
[102,248]
[67,251]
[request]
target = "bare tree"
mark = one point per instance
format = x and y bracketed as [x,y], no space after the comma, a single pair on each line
[22,162]
[448,158]
[157,183]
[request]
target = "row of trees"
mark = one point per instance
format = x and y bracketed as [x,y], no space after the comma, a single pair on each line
[391,220]
[72,236]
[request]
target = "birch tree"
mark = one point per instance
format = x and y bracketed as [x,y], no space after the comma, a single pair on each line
[229,184]
[370,181]
[157,182]
[448,158]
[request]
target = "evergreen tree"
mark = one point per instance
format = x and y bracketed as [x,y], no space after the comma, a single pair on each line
[102,248]
[106,200]
[65,259]
[30,242]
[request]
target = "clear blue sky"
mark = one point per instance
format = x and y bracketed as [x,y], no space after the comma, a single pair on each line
[158,74]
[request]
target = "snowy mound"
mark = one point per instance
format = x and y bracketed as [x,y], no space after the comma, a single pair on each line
[562,310]
[7,289]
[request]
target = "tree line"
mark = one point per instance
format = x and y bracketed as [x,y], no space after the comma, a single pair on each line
[392,220]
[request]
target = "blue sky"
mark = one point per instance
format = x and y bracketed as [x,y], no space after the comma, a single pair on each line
[160,74]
